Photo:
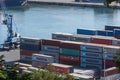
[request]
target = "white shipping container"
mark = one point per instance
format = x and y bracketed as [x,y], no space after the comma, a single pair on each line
[42,58]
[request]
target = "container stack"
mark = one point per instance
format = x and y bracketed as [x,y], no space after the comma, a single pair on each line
[40,60]
[29,46]
[61,68]
[86,32]
[70,53]
[108,56]
[51,47]
[91,56]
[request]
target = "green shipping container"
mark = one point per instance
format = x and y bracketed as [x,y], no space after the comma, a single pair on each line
[70,52]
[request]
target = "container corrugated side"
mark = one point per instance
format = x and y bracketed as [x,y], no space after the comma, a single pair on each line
[101,32]
[116,42]
[86,32]
[108,27]
[71,52]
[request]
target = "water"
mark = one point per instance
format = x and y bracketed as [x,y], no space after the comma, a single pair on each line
[40,21]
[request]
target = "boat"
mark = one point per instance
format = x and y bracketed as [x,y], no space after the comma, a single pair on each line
[11,3]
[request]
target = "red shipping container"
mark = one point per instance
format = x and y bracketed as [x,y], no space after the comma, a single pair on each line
[51,42]
[117,36]
[70,45]
[70,62]
[27,52]
[109,71]
[101,40]
[108,63]
[70,58]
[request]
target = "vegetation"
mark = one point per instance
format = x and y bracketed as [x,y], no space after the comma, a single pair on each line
[107,2]
[117,59]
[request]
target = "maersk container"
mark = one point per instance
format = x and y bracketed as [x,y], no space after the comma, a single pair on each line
[32,41]
[91,54]
[81,38]
[30,47]
[91,48]
[92,66]
[86,32]
[101,32]
[55,49]
[111,49]
[108,56]
[70,52]
[42,58]
[54,55]
[91,60]
[116,32]
[107,27]
[109,33]
[61,36]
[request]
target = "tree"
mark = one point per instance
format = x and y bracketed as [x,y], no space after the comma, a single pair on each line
[117,59]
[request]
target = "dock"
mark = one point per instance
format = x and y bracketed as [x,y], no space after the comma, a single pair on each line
[72,3]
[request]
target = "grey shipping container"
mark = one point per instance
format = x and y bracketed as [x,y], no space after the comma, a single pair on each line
[91,54]
[116,42]
[61,36]
[42,58]
[50,48]
[55,55]
[80,38]
[91,47]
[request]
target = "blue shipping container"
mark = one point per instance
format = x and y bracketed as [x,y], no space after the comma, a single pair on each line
[116,31]
[30,47]
[86,32]
[109,33]
[101,33]
[111,27]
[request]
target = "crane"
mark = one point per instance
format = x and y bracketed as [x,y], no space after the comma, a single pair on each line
[8,19]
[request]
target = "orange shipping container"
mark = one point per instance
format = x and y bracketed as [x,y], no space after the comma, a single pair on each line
[27,52]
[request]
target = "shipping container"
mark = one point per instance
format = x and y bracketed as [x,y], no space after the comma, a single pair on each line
[80,38]
[32,68]
[108,56]
[55,49]
[71,52]
[39,64]
[62,68]
[91,66]
[26,71]
[54,55]
[91,54]
[21,69]
[109,33]
[107,27]
[86,32]
[51,42]
[109,71]
[101,40]
[91,47]
[111,49]
[32,41]
[101,32]
[70,45]
[108,63]
[117,36]
[61,36]
[42,58]
[28,52]
[30,47]
[70,58]
[91,61]
[116,32]
[22,64]
[116,42]
[74,63]
[25,58]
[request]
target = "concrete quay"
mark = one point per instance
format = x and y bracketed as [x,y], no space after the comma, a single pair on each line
[72,3]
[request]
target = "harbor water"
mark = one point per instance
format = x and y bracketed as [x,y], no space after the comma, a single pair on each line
[40,21]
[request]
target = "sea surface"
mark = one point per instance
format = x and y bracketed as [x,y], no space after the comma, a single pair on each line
[40,21]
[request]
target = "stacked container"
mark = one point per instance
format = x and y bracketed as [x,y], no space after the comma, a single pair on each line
[117,33]
[70,53]
[40,60]
[91,56]
[108,54]
[86,32]
[29,46]
[61,36]
[61,68]
[51,47]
